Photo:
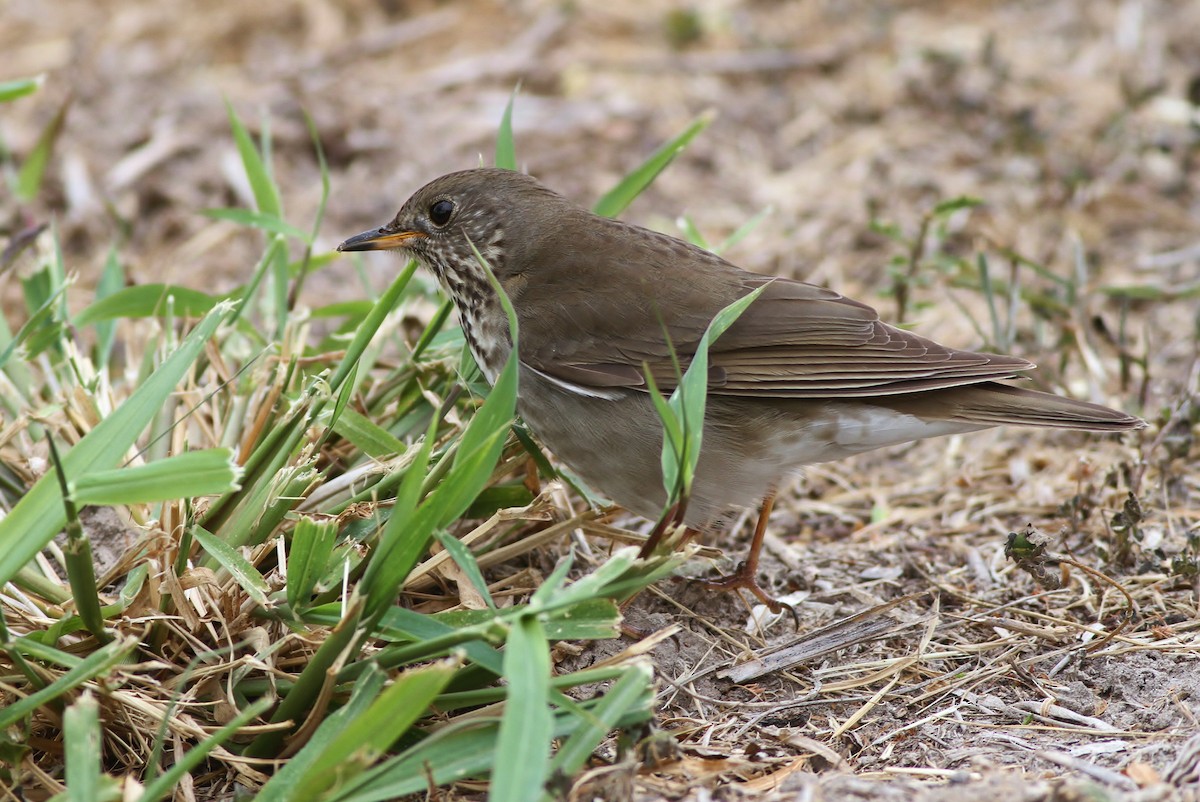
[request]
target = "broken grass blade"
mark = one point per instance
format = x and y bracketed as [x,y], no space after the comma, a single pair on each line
[81,736]
[191,474]
[308,558]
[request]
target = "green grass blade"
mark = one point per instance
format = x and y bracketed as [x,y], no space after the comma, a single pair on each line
[952,205]
[308,558]
[370,438]
[689,399]
[499,497]
[81,733]
[367,330]
[33,170]
[304,694]
[434,636]
[229,558]
[552,585]
[166,782]
[32,336]
[276,246]
[466,561]
[523,743]
[402,539]
[506,151]
[38,516]
[435,325]
[111,282]
[611,580]
[19,377]
[266,195]
[989,293]
[46,280]
[355,310]
[307,263]
[260,220]
[11,90]
[134,582]
[451,754]
[285,785]
[620,196]
[743,231]
[77,556]
[365,738]
[673,440]
[280,282]
[312,263]
[96,664]
[447,756]
[405,539]
[148,300]
[409,538]
[633,691]
[314,136]
[692,234]
[192,474]
[590,619]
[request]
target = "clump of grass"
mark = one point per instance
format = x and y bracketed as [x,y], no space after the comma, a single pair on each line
[1042,308]
[284,489]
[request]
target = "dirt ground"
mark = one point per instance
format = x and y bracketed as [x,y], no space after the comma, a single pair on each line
[1076,123]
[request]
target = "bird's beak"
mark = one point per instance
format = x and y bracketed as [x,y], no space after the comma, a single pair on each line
[379,239]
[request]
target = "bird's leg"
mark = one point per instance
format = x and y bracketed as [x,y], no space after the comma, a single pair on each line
[745,577]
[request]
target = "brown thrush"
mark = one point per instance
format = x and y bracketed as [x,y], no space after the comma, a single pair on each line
[805,375]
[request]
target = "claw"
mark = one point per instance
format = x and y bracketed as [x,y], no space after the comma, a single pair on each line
[743,579]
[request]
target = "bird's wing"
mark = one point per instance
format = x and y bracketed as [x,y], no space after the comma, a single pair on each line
[796,340]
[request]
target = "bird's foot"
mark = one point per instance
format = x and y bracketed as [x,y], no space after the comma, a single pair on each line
[744,579]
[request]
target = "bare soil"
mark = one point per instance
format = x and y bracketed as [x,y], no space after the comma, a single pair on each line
[1076,123]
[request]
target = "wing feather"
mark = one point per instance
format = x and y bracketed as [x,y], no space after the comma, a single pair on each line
[797,340]
[800,341]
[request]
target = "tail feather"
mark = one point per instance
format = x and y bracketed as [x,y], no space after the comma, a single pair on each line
[993,404]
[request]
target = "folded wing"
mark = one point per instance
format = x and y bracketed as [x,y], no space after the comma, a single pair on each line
[796,341]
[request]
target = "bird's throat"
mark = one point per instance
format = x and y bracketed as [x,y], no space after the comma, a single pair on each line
[480,313]
[485,327]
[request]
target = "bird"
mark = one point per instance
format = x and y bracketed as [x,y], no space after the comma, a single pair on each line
[606,309]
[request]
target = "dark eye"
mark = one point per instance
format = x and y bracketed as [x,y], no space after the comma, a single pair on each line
[439,213]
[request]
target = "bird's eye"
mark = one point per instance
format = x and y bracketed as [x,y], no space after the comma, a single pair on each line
[439,212]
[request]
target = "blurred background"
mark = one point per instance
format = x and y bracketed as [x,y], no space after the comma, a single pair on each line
[1066,116]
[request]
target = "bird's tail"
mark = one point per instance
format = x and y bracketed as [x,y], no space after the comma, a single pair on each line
[993,404]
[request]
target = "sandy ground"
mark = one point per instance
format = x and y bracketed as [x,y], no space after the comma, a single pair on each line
[1077,125]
